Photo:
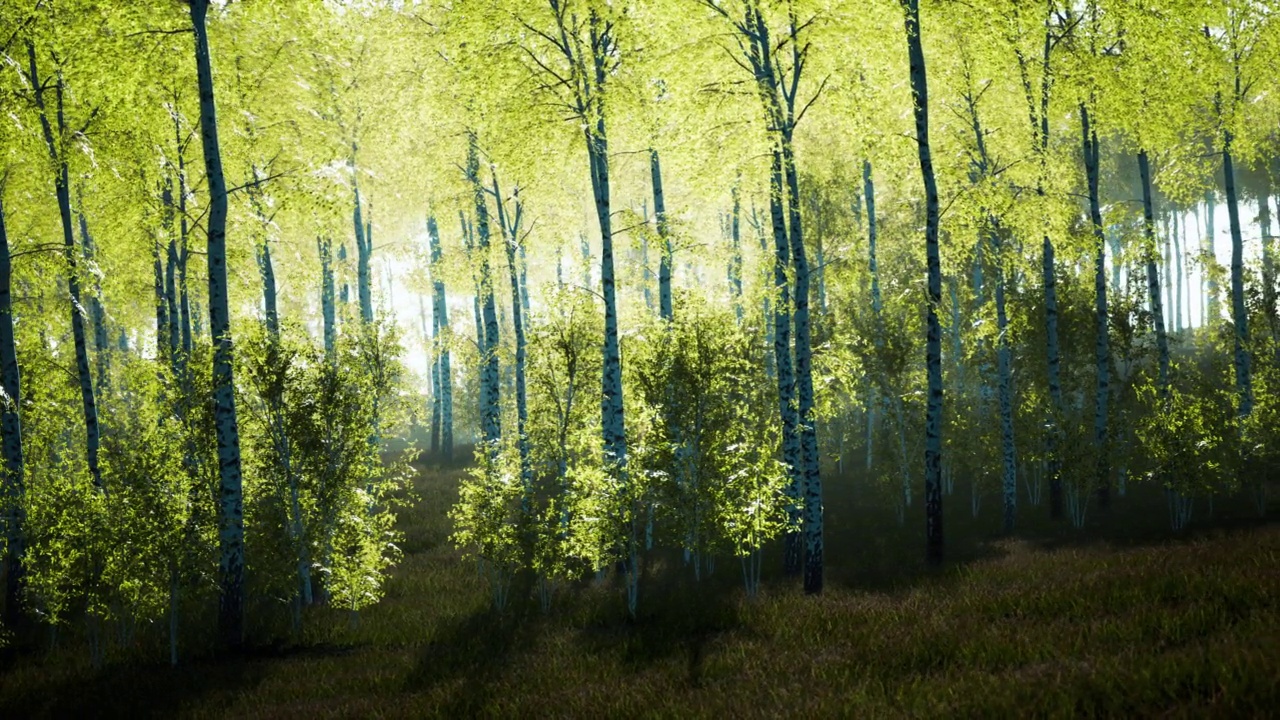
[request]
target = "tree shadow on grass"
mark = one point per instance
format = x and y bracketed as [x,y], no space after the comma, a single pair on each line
[676,617]
[476,649]
[867,549]
[128,689]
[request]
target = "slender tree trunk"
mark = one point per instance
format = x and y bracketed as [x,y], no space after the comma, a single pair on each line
[811,461]
[162,304]
[270,304]
[11,427]
[184,302]
[1178,321]
[1038,113]
[1004,360]
[1268,263]
[231,604]
[1167,277]
[646,275]
[612,421]
[1209,307]
[933,343]
[433,357]
[344,297]
[63,192]
[490,409]
[735,261]
[1102,346]
[283,446]
[364,249]
[97,314]
[876,391]
[1239,313]
[786,372]
[171,294]
[766,273]
[168,332]
[441,321]
[511,238]
[664,263]
[328,310]
[1153,276]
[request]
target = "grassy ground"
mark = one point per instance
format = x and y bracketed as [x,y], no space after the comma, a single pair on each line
[1117,620]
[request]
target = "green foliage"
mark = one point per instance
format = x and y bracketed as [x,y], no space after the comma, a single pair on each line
[312,429]
[1189,440]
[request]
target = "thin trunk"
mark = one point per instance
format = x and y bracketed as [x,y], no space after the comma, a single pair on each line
[328,311]
[933,344]
[97,314]
[811,461]
[646,275]
[1153,277]
[511,237]
[1004,353]
[162,303]
[875,391]
[1167,277]
[171,294]
[344,296]
[490,409]
[766,305]
[664,262]
[364,248]
[735,261]
[184,303]
[1004,359]
[283,446]
[11,427]
[63,192]
[1268,262]
[433,358]
[231,604]
[1178,323]
[270,305]
[524,280]
[1239,313]
[1212,313]
[1038,114]
[613,423]
[440,320]
[786,372]
[1102,345]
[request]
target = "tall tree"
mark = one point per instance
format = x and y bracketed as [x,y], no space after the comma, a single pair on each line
[589,55]
[933,339]
[1102,340]
[14,507]
[510,224]
[231,602]
[440,313]
[490,410]
[1150,256]
[1037,100]
[664,238]
[56,146]
[777,83]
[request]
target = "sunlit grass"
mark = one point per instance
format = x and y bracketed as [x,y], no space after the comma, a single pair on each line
[1184,628]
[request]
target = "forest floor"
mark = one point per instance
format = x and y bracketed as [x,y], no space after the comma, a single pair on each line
[1119,619]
